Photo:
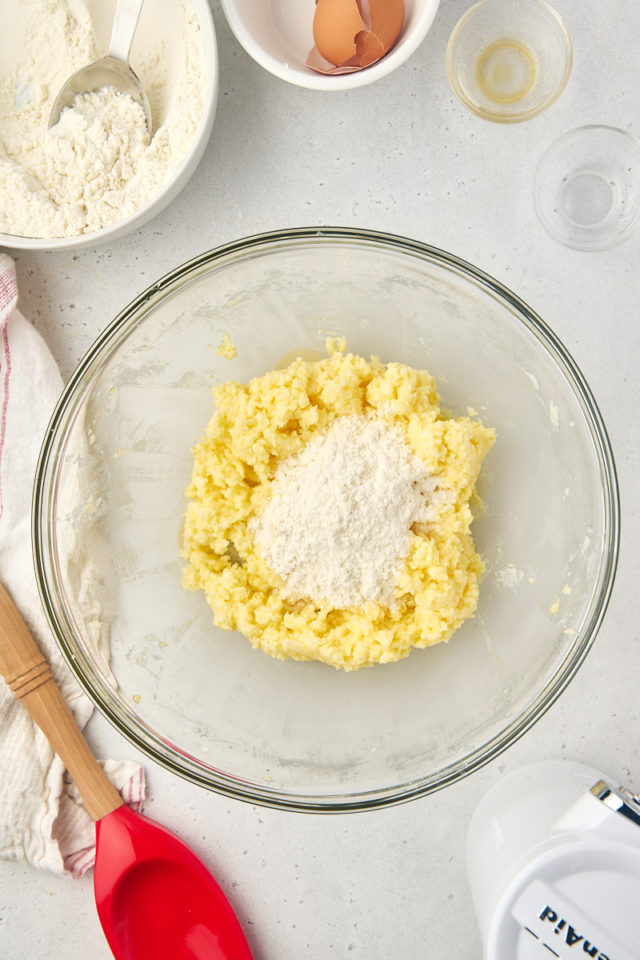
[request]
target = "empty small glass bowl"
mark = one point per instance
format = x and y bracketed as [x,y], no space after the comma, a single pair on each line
[586,189]
[508,60]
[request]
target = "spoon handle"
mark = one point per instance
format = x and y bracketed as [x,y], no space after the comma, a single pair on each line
[28,675]
[125,21]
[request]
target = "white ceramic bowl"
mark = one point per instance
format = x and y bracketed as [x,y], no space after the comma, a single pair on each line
[145,35]
[278,34]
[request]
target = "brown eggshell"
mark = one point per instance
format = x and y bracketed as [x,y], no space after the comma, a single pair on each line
[351,34]
[369,48]
[336,24]
[387,17]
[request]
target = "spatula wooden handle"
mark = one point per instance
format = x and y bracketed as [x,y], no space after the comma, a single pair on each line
[27,674]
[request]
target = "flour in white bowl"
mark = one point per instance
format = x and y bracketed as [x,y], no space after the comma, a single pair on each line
[97,166]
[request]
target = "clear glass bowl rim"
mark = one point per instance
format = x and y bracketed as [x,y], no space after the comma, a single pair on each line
[140,734]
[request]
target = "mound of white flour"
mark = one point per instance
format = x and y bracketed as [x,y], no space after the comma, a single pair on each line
[97,165]
[336,528]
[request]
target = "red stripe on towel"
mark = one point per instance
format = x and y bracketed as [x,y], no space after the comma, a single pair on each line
[5,369]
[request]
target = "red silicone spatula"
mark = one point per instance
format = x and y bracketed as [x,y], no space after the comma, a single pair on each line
[155,899]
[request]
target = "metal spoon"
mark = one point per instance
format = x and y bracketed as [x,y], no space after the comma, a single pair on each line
[155,899]
[112,70]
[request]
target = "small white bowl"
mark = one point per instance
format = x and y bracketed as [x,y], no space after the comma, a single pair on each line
[278,34]
[174,184]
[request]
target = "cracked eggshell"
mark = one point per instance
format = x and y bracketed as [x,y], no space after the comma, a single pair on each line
[355,33]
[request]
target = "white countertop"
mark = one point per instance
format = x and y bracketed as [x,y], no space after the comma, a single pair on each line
[402,156]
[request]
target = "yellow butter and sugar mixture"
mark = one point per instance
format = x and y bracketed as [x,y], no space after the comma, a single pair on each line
[329,513]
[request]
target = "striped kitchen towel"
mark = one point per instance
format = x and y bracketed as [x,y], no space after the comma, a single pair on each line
[42,820]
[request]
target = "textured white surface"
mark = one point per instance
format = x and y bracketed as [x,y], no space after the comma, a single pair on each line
[401,155]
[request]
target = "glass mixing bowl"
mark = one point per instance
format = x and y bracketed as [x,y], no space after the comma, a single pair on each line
[109,502]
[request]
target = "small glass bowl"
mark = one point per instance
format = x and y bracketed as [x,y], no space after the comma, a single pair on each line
[508,60]
[586,189]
